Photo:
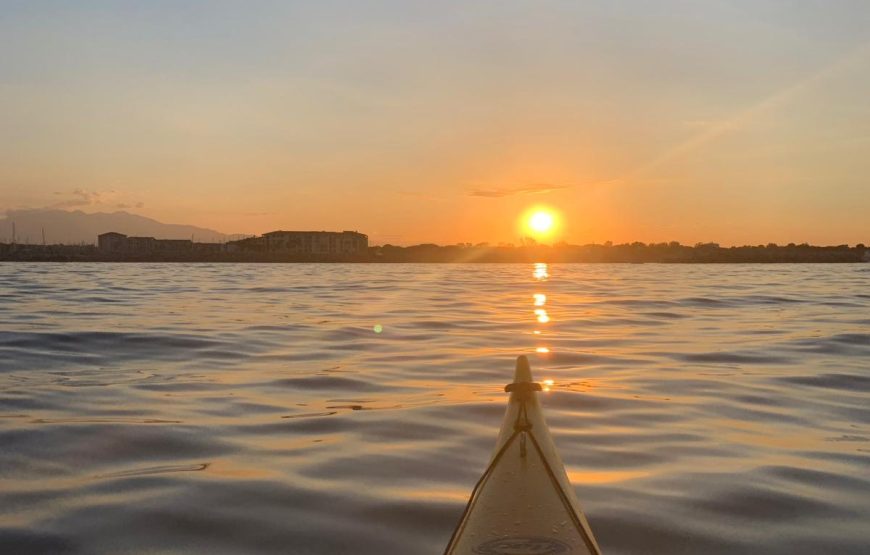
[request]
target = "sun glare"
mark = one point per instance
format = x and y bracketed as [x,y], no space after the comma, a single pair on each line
[540,222]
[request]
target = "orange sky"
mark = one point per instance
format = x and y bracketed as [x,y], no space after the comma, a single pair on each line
[740,123]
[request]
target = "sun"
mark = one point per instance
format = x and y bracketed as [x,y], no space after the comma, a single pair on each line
[541,221]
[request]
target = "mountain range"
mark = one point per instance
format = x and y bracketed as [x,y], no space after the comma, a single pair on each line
[75,227]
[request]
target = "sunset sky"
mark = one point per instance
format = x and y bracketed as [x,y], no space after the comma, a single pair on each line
[729,121]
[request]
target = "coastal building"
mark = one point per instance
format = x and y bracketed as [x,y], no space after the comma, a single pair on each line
[114,242]
[303,243]
[248,244]
[173,246]
[208,248]
[316,242]
[141,244]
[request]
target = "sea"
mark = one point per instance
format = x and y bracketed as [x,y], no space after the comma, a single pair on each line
[350,408]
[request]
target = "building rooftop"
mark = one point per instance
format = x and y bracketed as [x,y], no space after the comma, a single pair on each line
[296,231]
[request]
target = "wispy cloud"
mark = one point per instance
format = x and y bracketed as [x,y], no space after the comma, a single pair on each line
[80,198]
[501,192]
[125,206]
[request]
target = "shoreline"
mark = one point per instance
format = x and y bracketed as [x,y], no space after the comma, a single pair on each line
[630,253]
[389,262]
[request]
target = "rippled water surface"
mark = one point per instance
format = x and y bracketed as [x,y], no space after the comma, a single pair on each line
[177,408]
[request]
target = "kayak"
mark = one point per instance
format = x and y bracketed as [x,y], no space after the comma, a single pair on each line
[524,503]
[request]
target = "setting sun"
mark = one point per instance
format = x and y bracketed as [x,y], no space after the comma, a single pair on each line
[540,222]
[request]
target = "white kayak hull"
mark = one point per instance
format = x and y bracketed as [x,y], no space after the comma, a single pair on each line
[524,503]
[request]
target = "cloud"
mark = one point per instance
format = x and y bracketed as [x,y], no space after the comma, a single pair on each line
[79,198]
[510,191]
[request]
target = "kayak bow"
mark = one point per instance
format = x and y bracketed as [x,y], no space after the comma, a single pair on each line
[524,503]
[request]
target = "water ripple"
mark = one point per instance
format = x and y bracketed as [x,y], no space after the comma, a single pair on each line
[269,408]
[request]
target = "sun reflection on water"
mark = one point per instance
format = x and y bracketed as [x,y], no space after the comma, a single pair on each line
[541,273]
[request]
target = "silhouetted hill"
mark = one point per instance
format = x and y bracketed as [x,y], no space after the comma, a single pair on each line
[75,227]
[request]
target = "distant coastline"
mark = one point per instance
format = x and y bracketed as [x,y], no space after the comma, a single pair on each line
[124,237]
[673,253]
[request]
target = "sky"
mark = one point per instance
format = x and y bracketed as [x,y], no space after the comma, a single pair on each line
[740,122]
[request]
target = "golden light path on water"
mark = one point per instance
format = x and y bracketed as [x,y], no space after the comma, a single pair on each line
[541,274]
